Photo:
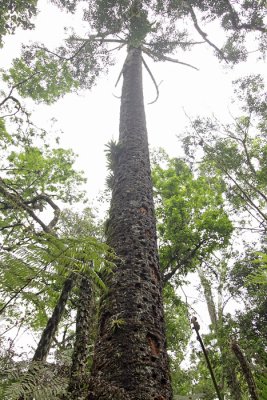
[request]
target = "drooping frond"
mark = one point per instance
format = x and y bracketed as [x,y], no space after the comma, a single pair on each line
[41,382]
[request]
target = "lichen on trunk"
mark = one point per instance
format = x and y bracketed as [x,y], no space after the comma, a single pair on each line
[130,352]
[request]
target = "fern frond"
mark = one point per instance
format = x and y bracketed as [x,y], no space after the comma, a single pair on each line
[40,382]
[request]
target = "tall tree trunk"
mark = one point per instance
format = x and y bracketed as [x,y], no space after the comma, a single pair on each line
[78,381]
[48,334]
[130,353]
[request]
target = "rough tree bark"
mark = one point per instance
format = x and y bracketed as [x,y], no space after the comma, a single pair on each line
[130,353]
[48,334]
[78,381]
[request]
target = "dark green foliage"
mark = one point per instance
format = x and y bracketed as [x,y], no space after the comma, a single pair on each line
[15,14]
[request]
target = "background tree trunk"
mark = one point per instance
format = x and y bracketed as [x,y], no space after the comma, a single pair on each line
[48,334]
[246,370]
[78,381]
[228,363]
[130,353]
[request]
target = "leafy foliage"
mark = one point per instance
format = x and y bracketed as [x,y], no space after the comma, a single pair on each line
[45,80]
[34,177]
[237,151]
[192,222]
[15,14]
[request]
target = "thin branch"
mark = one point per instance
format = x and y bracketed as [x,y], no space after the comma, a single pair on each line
[18,202]
[29,280]
[202,33]
[260,193]
[2,309]
[96,39]
[56,209]
[175,42]
[153,80]
[117,47]
[248,199]
[77,52]
[9,96]
[51,52]
[11,226]
[161,57]
[242,193]
[117,97]
[188,306]
[191,254]
[119,77]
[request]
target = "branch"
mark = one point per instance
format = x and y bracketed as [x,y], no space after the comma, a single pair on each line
[246,370]
[174,42]
[192,253]
[117,47]
[9,96]
[119,77]
[2,309]
[56,209]
[235,20]
[188,306]
[97,39]
[161,57]
[11,226]
[242,193]
[29,280]
[18,202]
[153,80]
[202,33]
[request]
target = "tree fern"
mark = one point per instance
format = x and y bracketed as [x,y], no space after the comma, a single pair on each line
[41,382]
